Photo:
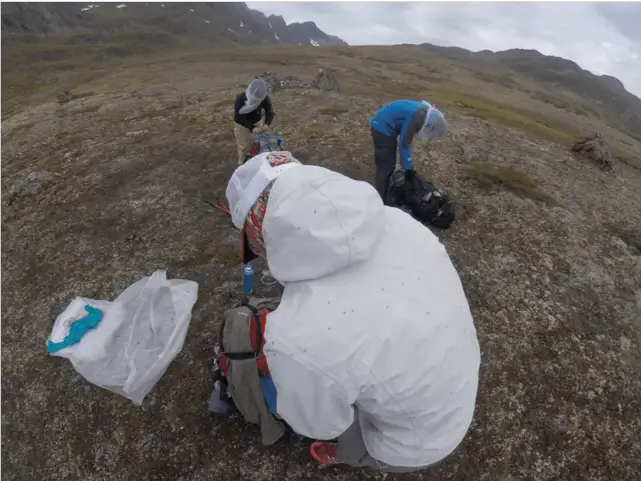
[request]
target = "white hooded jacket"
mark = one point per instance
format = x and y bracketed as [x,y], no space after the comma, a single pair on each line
[373,315]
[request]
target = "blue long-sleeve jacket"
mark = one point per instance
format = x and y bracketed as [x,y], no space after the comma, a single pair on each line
[402,118]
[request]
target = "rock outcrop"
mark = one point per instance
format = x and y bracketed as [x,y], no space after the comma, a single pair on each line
[474,153]
[64,97]
[326,80]
[29,186]
[595,148]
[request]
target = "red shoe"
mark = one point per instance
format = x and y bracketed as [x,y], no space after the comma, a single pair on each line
[324,453]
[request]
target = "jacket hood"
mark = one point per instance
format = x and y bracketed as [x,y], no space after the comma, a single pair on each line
[319,222]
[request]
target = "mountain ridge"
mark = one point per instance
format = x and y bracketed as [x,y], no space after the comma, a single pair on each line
[59,31]
[214,21]
[519,53]
[609,94]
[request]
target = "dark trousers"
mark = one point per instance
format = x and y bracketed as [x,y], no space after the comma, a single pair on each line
[385,159]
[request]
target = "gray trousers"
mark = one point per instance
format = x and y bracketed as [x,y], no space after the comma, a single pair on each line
[352,451]
[385,159]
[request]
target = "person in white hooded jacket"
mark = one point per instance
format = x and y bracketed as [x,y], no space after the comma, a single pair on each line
[373,343]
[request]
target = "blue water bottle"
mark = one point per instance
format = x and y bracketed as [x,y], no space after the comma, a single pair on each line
[278,140]
[248,279]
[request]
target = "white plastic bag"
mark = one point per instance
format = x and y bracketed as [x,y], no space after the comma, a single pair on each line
[140,333]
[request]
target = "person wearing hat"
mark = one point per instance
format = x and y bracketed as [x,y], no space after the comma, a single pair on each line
[396,125]
[248,109]
[374,350]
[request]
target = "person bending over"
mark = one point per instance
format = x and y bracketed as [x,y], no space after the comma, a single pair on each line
[248,110]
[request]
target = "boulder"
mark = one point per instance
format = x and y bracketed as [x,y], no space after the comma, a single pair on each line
[474,153]
[31,184]
[595,148]
[326,80]
[65,96]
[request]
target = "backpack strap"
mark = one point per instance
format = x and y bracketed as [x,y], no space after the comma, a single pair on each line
[240,356]
[259,331]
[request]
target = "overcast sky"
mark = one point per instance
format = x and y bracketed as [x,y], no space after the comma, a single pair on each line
[604,38]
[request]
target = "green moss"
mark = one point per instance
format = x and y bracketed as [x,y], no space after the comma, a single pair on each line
[89,109]
[490,178]
[36,69]
[216,253]
[508,116]
[333,111]
[474,106]
[315,131]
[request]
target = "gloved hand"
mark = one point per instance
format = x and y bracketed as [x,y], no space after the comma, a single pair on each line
[409,175]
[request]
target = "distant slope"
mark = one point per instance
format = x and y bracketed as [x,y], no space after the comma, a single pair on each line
[602,95]
[220,22]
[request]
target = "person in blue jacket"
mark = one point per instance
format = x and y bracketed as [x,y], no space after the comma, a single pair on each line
[396,124]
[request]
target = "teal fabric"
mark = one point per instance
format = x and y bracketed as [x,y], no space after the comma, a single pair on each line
[77,330]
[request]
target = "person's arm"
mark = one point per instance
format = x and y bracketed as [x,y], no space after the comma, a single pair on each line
[308,400]
[411,127]
[269,111]
[238,117]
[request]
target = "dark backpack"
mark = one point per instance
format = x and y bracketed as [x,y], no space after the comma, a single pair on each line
[425,202]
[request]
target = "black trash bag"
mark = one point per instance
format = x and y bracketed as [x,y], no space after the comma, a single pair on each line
[422,199]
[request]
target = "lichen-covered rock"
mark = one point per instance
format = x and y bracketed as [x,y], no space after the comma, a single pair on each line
[474,153]
[31,184]
[64,97]
[595,147]
[292,81]
[326,80]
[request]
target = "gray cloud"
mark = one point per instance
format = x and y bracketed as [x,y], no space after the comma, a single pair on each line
[625,17]
[604,38]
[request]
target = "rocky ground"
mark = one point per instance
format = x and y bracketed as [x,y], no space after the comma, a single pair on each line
[105,187]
